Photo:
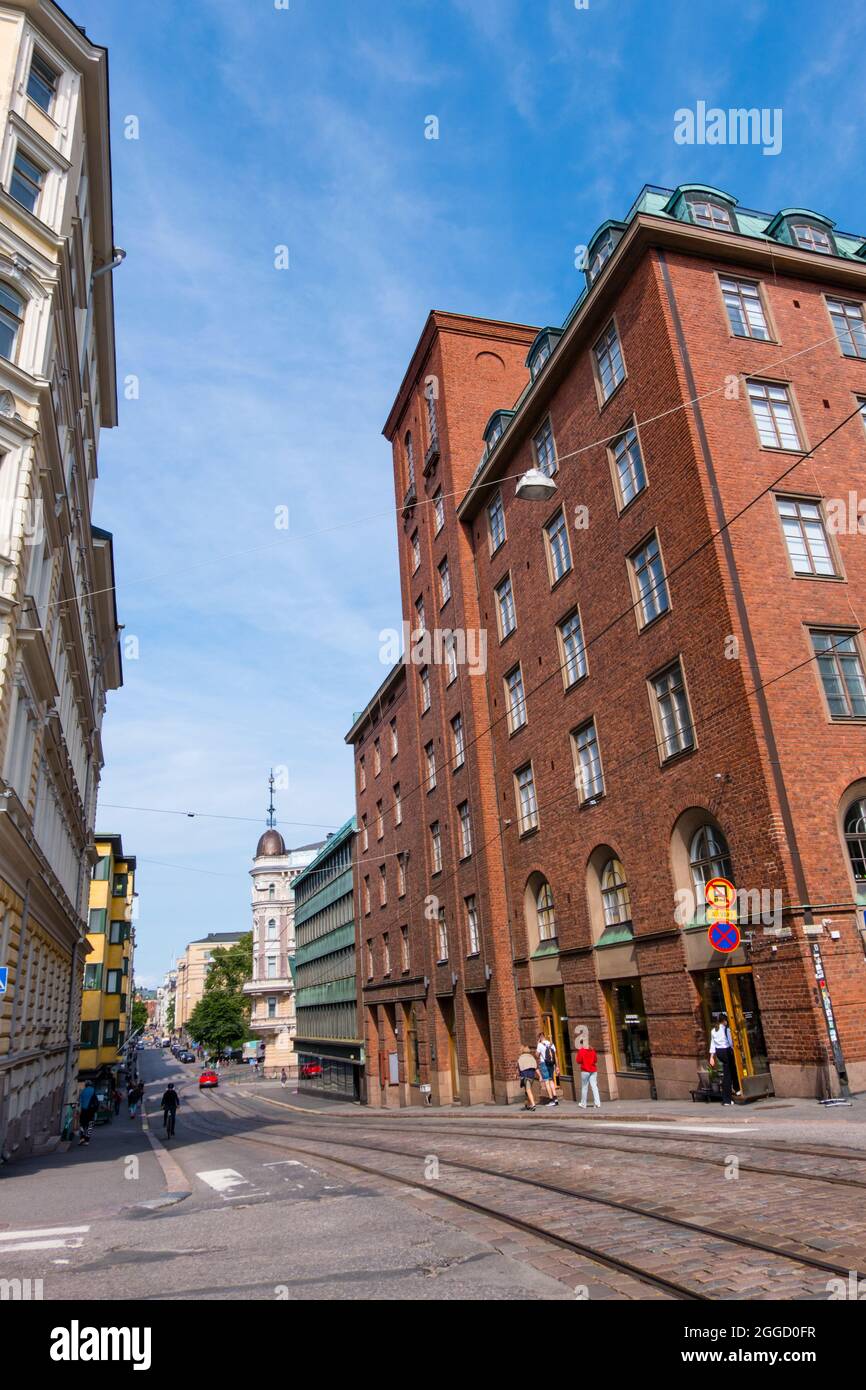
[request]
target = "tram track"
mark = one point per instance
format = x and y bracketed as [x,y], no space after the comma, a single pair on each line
[724,1241]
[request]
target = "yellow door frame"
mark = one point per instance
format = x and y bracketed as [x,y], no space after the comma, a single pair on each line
[739,1035]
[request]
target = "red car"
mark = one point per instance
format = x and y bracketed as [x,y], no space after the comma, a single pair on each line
[208,1078]
[311,1069]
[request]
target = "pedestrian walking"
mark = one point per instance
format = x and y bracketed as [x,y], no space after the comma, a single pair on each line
[117,1098]
[284,1077]
[88,1105]
[528,1072]
[169,1103]
[545,1053]
[722,1053]
[587,1060]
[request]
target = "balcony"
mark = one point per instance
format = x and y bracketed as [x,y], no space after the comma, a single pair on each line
[278,985]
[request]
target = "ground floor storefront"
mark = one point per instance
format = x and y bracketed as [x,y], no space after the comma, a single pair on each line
[331,1069]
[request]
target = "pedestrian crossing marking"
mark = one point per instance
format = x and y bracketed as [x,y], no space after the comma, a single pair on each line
[222,1179]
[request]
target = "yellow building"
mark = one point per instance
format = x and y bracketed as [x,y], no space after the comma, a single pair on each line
[107,999]
[192,970]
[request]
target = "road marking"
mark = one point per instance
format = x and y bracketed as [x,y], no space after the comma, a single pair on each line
[221,1179]
[653,1125]
[72,1243]
[284,1163]
[44,1231]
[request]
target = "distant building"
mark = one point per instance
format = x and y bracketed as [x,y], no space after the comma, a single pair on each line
[192,969]
[165,999]
[328,1041]
[272,989]
[108,973]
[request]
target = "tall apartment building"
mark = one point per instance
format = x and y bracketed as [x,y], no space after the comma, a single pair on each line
[674,681]
[328,1042]
[59,650]
[272,988]
[192,971]
[108,971]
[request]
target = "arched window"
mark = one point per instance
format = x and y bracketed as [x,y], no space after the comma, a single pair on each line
[271,890]
[272,927]
[544,910]
[709,857]
[614,894]
[855,839]
[11,317]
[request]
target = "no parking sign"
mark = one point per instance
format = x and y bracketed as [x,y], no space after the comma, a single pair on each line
[723,933]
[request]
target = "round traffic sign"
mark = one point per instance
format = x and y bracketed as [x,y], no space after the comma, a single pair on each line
[724,936]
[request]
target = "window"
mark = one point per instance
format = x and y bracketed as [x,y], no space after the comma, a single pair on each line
[855,839]
[438,511]
[401,876]
[675,730]
[805,537]
[369,958]
[430,755]
[847,319]
[573,650]
[365,838]
[496,523]
[42,82]
[115,933]
[424,678]
[362,773]
[774,415]
[272,928]
[444,582]
[589,776]
[272,1006]
[410,463]
[745,310]
[558,550]
[603,252]
[11,314]
[811,238]
[366,894]
[386,953]
[380,825]
[545,450]
[404,949]
[96,921]
[861,400]
[841,674]
[420,614]
[515,700]
[398,808]
[457,740]
[395,747]
[93,977]
[90,1033]
[415,543]
[706,213]
[629,1033]
[614,894]
[436,846]
[472,938]
[465,830]
[609,363]
[442,936]
[539,357]
[450,646]
[271,891]
[505,607]
[109,1031]
[649,582]
[527,805]
[627,467]
[113,981]
[101,868]
[432,424]
[377,758]
[120,885]
[709,857]
[26,182]
[272,972]
[383,886]
[544,910]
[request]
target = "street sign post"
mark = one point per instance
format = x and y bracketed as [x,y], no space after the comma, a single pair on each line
[723,933]
[724,936]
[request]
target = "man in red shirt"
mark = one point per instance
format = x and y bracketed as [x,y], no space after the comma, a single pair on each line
[587,1060]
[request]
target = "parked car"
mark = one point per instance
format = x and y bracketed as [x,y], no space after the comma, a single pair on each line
[186,1057]
[166,1042]
[208,1078]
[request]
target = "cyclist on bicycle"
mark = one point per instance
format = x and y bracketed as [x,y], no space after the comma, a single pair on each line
[170,1101]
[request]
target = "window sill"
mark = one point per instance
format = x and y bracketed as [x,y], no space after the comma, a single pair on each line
[678,756]
[651,622]
[604,401]
[503,640]
[527,834]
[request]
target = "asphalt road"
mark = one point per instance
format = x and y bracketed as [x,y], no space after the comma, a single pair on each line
[112,1221]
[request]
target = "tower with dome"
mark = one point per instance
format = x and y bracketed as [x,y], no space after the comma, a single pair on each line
[271,989]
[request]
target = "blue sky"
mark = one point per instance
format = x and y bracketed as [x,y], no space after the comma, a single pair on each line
[263,388]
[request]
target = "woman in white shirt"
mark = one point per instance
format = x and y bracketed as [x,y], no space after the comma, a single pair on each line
[722,1049]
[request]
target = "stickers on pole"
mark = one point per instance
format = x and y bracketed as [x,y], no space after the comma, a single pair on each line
[723,933]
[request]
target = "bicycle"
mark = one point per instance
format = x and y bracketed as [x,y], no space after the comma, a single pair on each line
[168,1118]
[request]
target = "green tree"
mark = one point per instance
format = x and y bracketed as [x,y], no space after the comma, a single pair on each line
[139,1016]
[231,966]
[219,1020]
[169,1016]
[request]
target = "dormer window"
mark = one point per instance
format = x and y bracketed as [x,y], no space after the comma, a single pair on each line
[706,213]
[541,349]
[811,238]
[601,249]
[495,428]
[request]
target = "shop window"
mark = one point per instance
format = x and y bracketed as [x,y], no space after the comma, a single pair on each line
[628,1026]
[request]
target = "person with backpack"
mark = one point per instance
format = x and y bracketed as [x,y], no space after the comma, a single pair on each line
[545,1053]
[88,1105]
[587,1060]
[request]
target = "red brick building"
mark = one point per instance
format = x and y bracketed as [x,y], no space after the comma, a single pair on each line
[672,687]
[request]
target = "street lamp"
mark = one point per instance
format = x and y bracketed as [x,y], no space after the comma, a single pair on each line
[534,486]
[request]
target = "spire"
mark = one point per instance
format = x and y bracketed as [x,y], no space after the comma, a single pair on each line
[271,809]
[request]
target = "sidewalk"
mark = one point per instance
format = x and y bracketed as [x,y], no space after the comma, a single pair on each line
[117,1169]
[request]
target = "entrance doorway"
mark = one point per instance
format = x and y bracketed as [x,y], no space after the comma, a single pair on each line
[554,1024]
[446,1007]
[732,992]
